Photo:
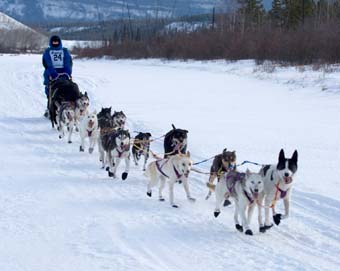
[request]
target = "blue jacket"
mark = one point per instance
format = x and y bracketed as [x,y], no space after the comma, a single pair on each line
[55,61]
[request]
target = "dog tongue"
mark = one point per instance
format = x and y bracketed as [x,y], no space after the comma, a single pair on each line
[256,194]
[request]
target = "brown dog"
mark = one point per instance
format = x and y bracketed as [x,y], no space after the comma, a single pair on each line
[224,162]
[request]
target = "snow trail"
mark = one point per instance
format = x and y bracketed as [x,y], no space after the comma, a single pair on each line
[60,211]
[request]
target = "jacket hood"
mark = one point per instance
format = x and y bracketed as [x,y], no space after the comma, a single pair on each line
[60,42]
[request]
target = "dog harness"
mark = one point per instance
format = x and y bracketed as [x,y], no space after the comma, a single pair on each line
[159,167]
[251,200]
[177,173]
[231,180]
[282,195]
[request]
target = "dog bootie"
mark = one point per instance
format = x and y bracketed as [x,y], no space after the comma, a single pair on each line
[239,227]
[91,150]
[124,176]
[216,214]
[249,232]
[277,219]
[81,149]
[263,229]
[149,194]
[226,203]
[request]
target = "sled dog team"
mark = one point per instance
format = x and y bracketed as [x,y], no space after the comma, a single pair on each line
[247,189]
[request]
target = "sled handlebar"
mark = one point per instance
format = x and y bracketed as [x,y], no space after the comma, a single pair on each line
[61,74]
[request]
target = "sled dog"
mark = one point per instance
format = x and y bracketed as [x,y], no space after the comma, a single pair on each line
[105,124]
[223,162]
[278,182]
[173,169]
[175,141]
[82,105]
[244,188]
[141,146]
[88,128]
[119,119]
[66,118]
[117,147]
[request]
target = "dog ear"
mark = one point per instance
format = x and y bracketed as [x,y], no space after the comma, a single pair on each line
[295,156]
[85,94]
[186,131]
[173,127]
[188,154]
[148,134]
[224,150]
[282,155]
[95,112]
[248,172]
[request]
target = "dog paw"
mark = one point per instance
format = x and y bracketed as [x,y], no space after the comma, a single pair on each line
[81,149]
[161,199]
[60,136]
[124,176]
[267,227]
[216,214]
[77,129]
[149,194]
[110,174]
[69,142]
[239,227]
[277,219]
[174,206]
[91,150]
[226,203]
[249,232]
[107,168]
[263,229]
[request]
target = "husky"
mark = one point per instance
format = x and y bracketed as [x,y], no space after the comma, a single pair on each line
[119,119]
[245,189]
[223,162]
[173,169]
[88,128]
[117,146]
[105,124]
[141,146]
[82,105]
[66,117]
[175,141]
[278,182]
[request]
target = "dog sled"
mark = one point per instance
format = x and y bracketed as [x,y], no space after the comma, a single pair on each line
[61,90]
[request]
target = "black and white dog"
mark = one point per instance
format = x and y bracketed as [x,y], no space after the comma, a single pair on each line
[175,142]
[141,146]
[278,182]
[117,147]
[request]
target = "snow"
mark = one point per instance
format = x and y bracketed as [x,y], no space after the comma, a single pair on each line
[60,211]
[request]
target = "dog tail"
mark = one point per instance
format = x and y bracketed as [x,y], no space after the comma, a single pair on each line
[211,186]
